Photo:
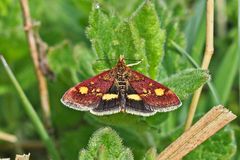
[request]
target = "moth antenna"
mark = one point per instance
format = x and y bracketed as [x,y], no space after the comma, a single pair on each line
[134,64]
[104,59]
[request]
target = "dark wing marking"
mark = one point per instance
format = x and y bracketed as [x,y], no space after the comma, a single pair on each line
[110,106]
[155,95]
[136,106]
[87,94]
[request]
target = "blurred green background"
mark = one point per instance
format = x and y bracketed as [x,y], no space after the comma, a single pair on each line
[72,58]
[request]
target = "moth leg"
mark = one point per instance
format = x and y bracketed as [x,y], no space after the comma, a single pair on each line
[134,64]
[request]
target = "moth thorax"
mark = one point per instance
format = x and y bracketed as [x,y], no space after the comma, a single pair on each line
[121,68]
[121,83]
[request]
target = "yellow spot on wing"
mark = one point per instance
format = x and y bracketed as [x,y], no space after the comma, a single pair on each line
[99,94]
[83,90]
[97,90]
[134,97]
[92,82]
[159,91]
[109,96]
[150,84]
[144,90]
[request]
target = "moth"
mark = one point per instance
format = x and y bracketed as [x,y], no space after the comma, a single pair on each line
[121,89]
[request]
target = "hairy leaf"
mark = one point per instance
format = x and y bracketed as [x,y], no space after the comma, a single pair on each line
[126,155]
[186,82]
[129,43]
[148,24]
[101,33]
[151,154]
[119,120]
[172,62]
[84,59]
[105,144]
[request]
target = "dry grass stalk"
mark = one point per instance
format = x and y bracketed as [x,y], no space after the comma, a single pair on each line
[22,157]
[207,126]
[30,145]
[209,50]
[8,137]
[28,26]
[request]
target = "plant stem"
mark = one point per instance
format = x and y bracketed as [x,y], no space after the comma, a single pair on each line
[238,50]
[31,113]
[30,145]
[206,59]
[28,26]
[8,137]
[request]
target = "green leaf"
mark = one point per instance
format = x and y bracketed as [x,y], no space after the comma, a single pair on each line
[237,137]
[137,40]
[221,146]
[84,59]
[105,144]
[101,33]
[226,72]
[186,82]
[119,120]
[194,63]
[157,119]
[4,7]
[198,47]
[173,61]
[129,43]
[151,154]
[146,21]
[195,29]
[60,58]
[126,155]
[75,60]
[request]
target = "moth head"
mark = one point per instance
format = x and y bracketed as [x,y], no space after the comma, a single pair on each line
[121,65]
[121,60]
